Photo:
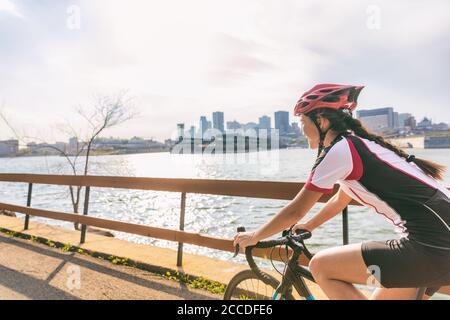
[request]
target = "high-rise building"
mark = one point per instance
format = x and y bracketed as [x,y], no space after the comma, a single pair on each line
[396,120]
[180,130]
[218,122]
[377,120]
[264,122]
[402,117]
[73,147]
[192,131]
[203,125]
[282,122]
[410,122]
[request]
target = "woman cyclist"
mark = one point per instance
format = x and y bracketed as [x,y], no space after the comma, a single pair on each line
[370,170]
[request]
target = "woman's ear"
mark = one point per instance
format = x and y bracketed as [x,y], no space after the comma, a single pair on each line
[321,121]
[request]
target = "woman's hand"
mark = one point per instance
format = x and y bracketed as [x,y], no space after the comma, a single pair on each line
[302,226]
[245,239]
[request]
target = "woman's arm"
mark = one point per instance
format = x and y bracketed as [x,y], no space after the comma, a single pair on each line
[334,206]
[289,215]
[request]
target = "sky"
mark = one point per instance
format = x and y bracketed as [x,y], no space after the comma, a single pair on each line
[180,60]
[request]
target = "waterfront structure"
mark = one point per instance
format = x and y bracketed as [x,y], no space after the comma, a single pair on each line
[9,148]
[378,120]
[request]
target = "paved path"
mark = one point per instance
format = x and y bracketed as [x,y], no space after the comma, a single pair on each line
[34,271]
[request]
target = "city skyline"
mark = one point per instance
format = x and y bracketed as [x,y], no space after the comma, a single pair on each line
[202,60]
[383,121]
[394,120]
[209,125]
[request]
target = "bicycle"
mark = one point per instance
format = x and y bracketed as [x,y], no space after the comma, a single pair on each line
[293,276]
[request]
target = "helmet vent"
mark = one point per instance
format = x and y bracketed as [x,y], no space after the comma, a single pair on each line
[331,98]
[351,95]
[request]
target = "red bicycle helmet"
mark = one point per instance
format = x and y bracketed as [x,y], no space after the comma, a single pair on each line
[333,96]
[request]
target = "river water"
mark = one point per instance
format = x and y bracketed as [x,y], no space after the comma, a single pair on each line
[207,214]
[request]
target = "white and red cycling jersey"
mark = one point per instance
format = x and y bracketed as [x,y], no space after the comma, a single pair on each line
[378,178]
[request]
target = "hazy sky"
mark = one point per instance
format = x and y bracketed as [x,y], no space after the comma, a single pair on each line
[183,59]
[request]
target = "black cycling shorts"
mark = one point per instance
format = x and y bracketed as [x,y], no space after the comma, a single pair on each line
[405,263]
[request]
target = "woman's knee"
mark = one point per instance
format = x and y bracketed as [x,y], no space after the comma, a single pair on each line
[341,263]
[324,262]
[317,265]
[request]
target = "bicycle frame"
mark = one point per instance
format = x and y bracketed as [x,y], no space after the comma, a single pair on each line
[294,274]
[294,277]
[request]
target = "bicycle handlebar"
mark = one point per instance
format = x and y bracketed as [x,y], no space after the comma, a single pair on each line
[287,238]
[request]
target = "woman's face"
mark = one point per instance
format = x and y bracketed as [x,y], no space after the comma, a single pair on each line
[310,130]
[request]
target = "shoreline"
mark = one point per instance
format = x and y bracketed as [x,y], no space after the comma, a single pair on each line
[92,155]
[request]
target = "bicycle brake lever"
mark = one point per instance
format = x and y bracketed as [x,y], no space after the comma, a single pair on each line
[303,233]
[236,248]
[236,251]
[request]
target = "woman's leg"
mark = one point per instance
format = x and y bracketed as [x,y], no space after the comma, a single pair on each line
[395,294]
[337,269]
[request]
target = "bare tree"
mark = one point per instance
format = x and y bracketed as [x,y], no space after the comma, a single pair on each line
[106,112]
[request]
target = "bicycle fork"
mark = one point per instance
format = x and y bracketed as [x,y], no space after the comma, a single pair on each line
[290,279]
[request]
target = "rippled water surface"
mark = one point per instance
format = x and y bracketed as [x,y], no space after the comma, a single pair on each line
[212,215]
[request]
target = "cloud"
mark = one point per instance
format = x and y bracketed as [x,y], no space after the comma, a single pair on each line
[184,59]
[9,7]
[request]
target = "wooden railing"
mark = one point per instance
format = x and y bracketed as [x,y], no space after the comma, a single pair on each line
[254,189]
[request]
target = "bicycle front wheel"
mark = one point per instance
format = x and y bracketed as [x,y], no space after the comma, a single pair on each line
[246,285]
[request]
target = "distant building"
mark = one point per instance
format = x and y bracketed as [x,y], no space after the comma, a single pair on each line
[9,148]
[264,122]
[203,126]
[437,142]
[402,117]
[396,120]
[233,125]
[411,122]
[440,127]
[180,130]
[218,121]
[192,131]
[250,126]
[377,120]
[282,122]
[57,148]
[425,124]
[135,144]
[169,143]
[296,129]
[61,146]
[73,146]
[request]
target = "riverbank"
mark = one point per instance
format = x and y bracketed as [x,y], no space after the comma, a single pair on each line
[423,142]
[93,153]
